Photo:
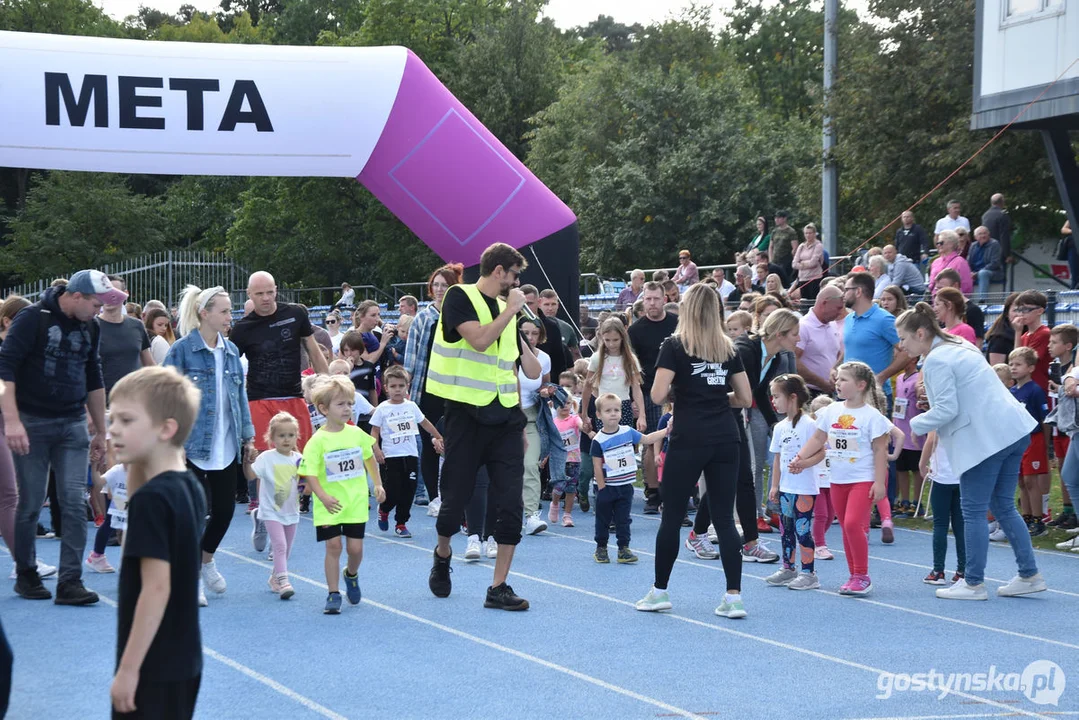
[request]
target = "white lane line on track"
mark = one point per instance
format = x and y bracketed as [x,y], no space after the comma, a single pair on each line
[727,630]
[259,677]
[710,565]
[1053,713]
[659,704]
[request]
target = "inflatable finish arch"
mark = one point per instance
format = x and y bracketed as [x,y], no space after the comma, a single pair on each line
[376,114]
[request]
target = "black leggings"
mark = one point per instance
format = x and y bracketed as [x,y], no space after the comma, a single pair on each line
[683,467]
[745,502]
[433,408]
[220,489]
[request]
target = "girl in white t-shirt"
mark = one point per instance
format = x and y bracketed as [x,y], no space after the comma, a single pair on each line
[823,512]
[944,501]
[615,369]
[854,435]
[795,493]
[279,503]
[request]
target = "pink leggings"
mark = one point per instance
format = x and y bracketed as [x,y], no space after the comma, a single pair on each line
[281,537]
[852,504]
[823,512]
[9,494]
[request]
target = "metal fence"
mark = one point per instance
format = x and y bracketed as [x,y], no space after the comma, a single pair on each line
[163,275]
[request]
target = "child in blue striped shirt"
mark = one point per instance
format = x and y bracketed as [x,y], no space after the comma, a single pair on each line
[615,462]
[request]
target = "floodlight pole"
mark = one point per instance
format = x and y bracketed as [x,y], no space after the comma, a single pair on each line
[829,178]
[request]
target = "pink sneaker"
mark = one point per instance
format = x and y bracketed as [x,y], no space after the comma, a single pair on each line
[99,563]
[252,506]
[274,584]
[567,520]
[823,553]
[844,589]
[552,516]
[859,586]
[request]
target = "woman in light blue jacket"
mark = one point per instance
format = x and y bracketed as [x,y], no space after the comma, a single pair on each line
[983,430]
[223,432]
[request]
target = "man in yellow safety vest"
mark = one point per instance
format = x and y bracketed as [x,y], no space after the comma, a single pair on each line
[474,360]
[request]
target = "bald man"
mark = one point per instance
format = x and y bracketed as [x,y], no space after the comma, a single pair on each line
[270,336]
[820,345]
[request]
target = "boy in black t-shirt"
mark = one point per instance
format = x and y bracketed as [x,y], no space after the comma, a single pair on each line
[159,645]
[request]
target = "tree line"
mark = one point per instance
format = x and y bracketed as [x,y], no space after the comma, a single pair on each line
[676,134]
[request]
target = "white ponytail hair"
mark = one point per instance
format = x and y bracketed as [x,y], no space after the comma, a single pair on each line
[192,302]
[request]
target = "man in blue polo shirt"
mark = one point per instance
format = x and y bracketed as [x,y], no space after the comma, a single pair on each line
[869,332]
[869,336]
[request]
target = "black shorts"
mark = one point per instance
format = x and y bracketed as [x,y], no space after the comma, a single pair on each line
[354,531]
[908,461]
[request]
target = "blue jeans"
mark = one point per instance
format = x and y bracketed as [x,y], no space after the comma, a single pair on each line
[64,445]
[613,502]
[984,277]
[990,485]
[1069,470]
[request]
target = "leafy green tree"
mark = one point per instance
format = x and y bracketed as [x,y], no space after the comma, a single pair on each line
[79,220]
[616,36]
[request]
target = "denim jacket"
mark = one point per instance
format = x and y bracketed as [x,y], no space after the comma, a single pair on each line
[193,358]
[550,439]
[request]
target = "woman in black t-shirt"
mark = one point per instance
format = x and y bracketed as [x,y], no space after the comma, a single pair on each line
[1000,340]
[700,363]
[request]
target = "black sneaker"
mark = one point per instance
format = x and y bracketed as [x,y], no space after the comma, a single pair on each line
[582,502]
[1037,528]
[503,598]
[42,532]
[546,494]
[601,555]
[242,498]
[686,522]
[651,504]
[874,519]
[1068,521]
[439,581]
[114,539]
[28,585]
[73,592]
[305,504]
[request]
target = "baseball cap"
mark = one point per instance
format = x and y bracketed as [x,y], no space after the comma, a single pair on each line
[95,282]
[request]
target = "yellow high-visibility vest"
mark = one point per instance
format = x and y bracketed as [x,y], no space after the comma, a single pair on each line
[459,372]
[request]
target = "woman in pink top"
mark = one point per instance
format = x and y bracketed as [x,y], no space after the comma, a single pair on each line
[686,274]
[809,262]
[951,307]
[948,246]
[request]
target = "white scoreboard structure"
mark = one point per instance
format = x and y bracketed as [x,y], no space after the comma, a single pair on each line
[1028,50]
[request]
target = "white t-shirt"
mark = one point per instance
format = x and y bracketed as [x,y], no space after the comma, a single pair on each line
[787,440]
[946,223]
[529,388]
[278,495]
[612,379]
[940,470]
[159,348]
[116,483]
[399,426]
[851,432]
[823,472]
[335,343]
[360,408]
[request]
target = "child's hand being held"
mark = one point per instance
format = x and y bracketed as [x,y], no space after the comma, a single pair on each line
[439,446]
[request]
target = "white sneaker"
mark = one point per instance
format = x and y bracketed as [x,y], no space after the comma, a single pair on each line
[998,536]
[45,570]
[713,536]
[433,507]
[1072,544]
[962,591]
[492,548]
[258,533]
[994,526]
[654,601]
[1072,531]
[202,595]
[473,550]
[534,525]
[99,564]
[1023,586]
[212,577]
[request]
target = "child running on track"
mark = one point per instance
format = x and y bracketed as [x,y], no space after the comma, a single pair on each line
[275,473]
[857,437]
[396,422]
[337,461]
[795,493]
[823,510]
[944,500]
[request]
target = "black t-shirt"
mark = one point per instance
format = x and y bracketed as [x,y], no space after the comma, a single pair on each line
[120,348]
[1002,343]
[165,520]
[976,319]
[272,346]
[703,414]
[646,336]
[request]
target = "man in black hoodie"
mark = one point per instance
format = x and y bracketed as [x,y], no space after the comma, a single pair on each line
[52,375]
